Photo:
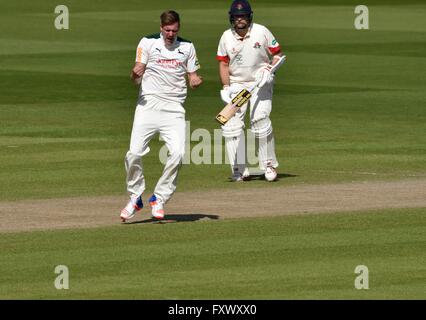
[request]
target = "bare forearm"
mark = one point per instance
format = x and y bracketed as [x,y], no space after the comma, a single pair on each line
[278,59]
[224,73]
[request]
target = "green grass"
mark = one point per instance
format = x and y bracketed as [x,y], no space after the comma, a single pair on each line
[349,105]
[293,257]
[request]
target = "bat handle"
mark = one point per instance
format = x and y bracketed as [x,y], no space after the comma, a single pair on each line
[254,86]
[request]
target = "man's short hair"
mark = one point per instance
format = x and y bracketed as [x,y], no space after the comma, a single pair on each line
[169,17]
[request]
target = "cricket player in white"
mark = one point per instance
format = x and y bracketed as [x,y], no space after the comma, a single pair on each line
[246,53]
[163,61]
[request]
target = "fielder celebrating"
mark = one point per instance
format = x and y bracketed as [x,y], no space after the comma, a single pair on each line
[247,52]
[163,61]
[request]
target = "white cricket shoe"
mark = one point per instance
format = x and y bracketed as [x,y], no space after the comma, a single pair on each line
[128,212]
[157,207]
[270,172]
[237,176]
[246,174]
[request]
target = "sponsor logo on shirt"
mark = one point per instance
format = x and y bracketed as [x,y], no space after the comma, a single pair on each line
[256,45]
[169,63]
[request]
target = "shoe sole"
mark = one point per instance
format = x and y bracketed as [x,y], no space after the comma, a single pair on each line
[126,215]
[158,216]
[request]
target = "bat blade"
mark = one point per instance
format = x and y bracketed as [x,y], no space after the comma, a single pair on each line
[231,108]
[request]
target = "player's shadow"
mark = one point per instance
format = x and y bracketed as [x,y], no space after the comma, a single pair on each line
[169,218]
[279,176]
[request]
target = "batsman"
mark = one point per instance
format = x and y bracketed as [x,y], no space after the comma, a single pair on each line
[248,56]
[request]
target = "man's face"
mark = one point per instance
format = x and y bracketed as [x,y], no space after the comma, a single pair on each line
[169,33]
[241,21]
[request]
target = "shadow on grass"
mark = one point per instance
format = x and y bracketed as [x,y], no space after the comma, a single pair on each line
[170,218]
[261,176]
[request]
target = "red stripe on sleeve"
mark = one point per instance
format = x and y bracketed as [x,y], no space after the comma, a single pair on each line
[222,58]
[274,50]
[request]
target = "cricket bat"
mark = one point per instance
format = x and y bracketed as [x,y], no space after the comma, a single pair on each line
[232,107]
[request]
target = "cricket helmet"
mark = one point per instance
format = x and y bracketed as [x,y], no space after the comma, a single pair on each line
[240,8]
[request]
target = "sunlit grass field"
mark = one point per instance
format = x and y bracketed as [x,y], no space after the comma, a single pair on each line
[293,257]
[349,105]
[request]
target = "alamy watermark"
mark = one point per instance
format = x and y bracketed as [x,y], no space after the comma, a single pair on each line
[362,18]
[62,280]
[209,149]
[361,281]
[62,21]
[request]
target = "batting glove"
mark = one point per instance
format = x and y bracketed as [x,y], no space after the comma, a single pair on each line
[264,76]
[225,94]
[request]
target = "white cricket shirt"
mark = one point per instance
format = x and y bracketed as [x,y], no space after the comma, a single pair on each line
[247,55]
[166,67]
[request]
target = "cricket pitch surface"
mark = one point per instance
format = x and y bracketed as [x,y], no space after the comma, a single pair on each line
[64,213]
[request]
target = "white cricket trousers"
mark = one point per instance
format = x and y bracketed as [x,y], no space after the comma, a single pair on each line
[153,116]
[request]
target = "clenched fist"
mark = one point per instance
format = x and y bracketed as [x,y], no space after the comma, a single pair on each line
[194,80]
[138,70]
